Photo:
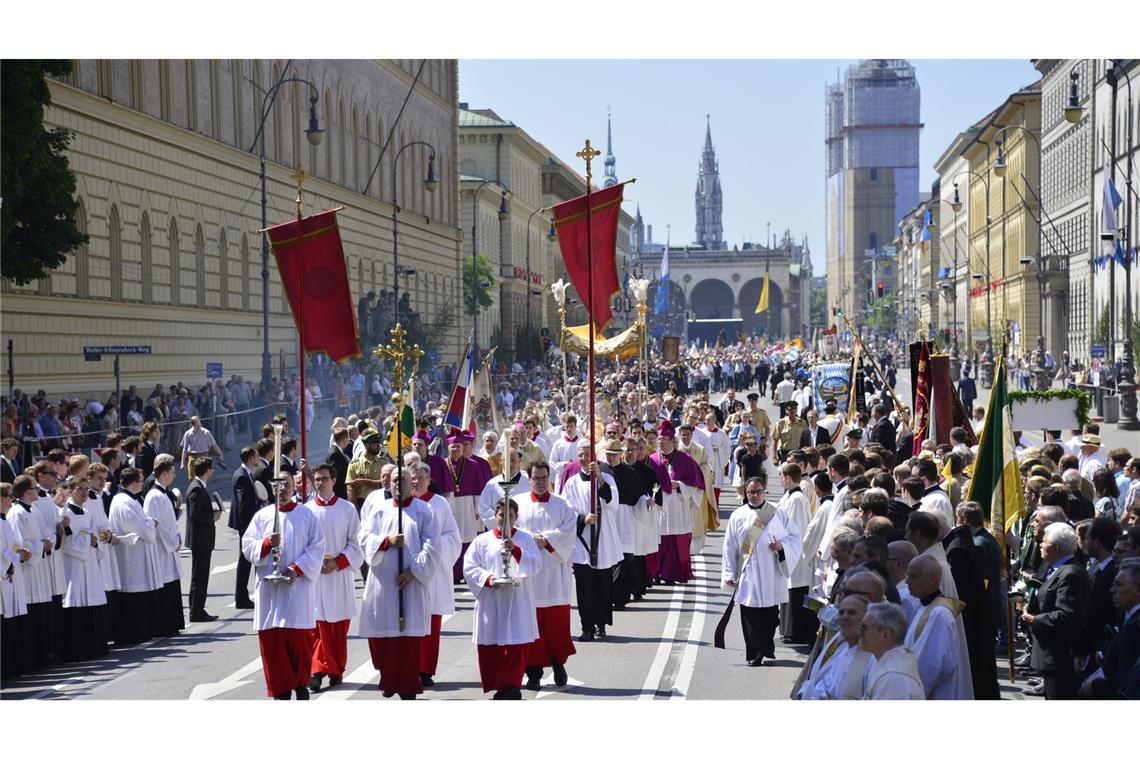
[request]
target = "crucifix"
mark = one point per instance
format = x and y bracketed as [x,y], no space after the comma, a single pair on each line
[589,154]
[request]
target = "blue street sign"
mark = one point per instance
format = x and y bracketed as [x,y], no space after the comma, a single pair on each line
[433,356]
[213,370]
[1098,351]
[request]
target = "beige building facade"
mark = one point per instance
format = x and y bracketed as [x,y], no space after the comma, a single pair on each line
[166,158]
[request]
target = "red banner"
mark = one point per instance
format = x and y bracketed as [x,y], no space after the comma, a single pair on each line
[922,396]
[570,221]
[315,259]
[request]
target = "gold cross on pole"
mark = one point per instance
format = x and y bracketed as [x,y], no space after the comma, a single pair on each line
[398,352]
[589,154]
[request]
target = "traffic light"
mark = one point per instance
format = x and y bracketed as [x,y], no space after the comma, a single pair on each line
[879,290]
[833,311]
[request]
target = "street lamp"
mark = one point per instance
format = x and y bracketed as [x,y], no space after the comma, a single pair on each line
[504,213]
[551,236]
[430,184]
[1074,111]
[314,134]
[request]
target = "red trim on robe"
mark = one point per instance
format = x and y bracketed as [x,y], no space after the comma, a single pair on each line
[540,498]
[296,568]
[341,562]
[265,547]
[384,545]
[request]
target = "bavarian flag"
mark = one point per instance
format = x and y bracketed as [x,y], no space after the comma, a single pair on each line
[996,483]
[405,427]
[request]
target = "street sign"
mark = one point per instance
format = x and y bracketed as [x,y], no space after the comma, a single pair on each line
[1098,351]
[99,350]
[979,335]
[433,356]
[213,370]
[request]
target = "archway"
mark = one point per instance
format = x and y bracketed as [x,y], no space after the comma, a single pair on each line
[769,322]
[672,320]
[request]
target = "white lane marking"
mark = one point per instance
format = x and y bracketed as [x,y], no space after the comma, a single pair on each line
[696,629]
[549,687]
[58,687]
[653,680]
[223,569]
[229,683]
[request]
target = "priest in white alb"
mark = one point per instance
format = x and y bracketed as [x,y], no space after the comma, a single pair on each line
[842,669]
[493,491]
[936,634]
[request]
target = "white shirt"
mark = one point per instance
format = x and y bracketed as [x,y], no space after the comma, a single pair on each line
[937,502]
[159,506]
[577,495]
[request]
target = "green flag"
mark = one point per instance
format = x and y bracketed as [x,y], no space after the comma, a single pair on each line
[406,426]
[996,481]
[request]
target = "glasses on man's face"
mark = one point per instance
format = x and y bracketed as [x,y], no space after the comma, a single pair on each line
[755,493]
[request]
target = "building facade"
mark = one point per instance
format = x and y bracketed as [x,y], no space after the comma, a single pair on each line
[166,156]
[953,214]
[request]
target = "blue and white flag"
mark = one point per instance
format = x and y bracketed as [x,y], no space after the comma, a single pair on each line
[831,382]
[1109,243]
[661,302]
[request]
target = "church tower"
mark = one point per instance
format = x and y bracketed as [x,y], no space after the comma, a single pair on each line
[710,230]
[611,162]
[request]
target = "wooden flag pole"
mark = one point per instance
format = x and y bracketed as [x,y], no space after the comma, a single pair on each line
[299,176]
[589,154]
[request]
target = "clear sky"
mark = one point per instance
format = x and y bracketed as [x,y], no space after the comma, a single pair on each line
[767,128]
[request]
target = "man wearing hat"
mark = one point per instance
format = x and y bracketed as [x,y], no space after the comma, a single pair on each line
[363,476]
[686,483]
[462,487]
[853,439]
[789,431]
[1092,456]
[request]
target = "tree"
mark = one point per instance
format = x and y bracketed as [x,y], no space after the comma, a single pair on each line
[1100,332]
[437,329]
[818,310]
[38,226]
[477,287]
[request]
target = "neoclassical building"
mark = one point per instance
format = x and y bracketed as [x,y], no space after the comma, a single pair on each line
[166,155]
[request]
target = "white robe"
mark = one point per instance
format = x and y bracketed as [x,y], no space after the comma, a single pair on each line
[158,506]
[465,510]
[335,593]
[577,495]
[379,613]
[48,513]
[943,660]
[948,587]
[442,589]
[764,582]
[719,448]
[812,540]
[83,582]
[493,491]
[281,604]
[137,550]
[557,522]
[37,571]
[108,567]
[795,505]
[895,676]
[909,604]
[563,451]
[503,614]
[13,592]
[938,503]
[834,674]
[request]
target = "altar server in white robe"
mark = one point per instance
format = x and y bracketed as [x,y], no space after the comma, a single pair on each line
[593,577]
[284,612]
[392,538]
[108,567]
[137,557]
[159,505]
[719,449]
[704,513]
[842,668]
[813,536]
[36,572]
[552,523]
[504,621]
[335,592]
[442,590]
[936,634]
[797,623]
[15,634]
[761,545]
[46,506]
[84,599]
[493,491]
[564,448]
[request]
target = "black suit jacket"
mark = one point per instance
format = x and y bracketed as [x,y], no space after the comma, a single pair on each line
[1120,657]
[264,473]
[245,503]
[966,565]
[288,465]
[146,458]
[199,518]
[821,438]
[884,434]
[1100,614]
[339,460]
[1057,608]
[7,473]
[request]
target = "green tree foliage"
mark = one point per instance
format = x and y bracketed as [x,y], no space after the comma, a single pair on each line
[818,311]
[38,225]
[478,283]
[1100,332]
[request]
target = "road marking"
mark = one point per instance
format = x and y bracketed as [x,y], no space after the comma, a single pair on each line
[549,687]
[58,687]
[696,628]
[223,568]
[229,683]
[653,680]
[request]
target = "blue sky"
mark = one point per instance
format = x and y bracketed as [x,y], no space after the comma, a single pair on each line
[767,127]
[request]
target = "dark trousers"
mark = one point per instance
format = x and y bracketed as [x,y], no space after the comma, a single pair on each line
[595,596]
[1061,684]
[759,625]
[241,584]
[625,583]
[200,579]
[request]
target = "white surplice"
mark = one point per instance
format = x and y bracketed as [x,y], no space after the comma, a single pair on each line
[577,495]
[718,449]
[14,590]
[947,587]
[335,594]
[938,503]
[379,613]
[794,504]
[465,510]
[137,550]
[48,513]
[764,582]
[30,533]
[943,660]
[557,522]
[504,614]
[83,581]
[493,492]
[834,674]
[442,589]
[159,506]
[285,604]
[108,567]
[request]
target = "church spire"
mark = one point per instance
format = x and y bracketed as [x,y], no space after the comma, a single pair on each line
[710,229]
[611,162]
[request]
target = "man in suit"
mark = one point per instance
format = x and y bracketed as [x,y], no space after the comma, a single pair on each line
[1097,537]
[288,456]
[242,509]
[339,460]
[1053,614]
[202,513]
[262,471]
[149,448]
[724,409]
[815,435]
[882,431]
[1123,651]
[9,449]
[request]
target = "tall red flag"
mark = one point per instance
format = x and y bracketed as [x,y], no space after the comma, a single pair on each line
[330,320]
[922,398]
[570,221]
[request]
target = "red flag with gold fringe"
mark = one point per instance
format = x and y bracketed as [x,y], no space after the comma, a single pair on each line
[311,264]
[570,222]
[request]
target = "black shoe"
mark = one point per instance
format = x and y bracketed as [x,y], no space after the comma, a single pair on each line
[407,696]
[638,597]
[285,696]
[756,662]
[387,694]
[335,681]
[512,692]
[426,680]
[619,606]
[302,693]
[244,604]
[499,695]
[534,678]
[203,617]
[601,633]
[586,636]
[559,673]
[315,681]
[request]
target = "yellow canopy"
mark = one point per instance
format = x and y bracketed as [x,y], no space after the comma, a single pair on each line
[623,345]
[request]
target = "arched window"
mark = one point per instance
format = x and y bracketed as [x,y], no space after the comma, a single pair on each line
[328,141]
[115,242]
[354,182]
[367,168]
[341,146]
[200,266]
[146,267]
[164,89]
[82,275]
[175,270]
[223,270]
[244,273]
